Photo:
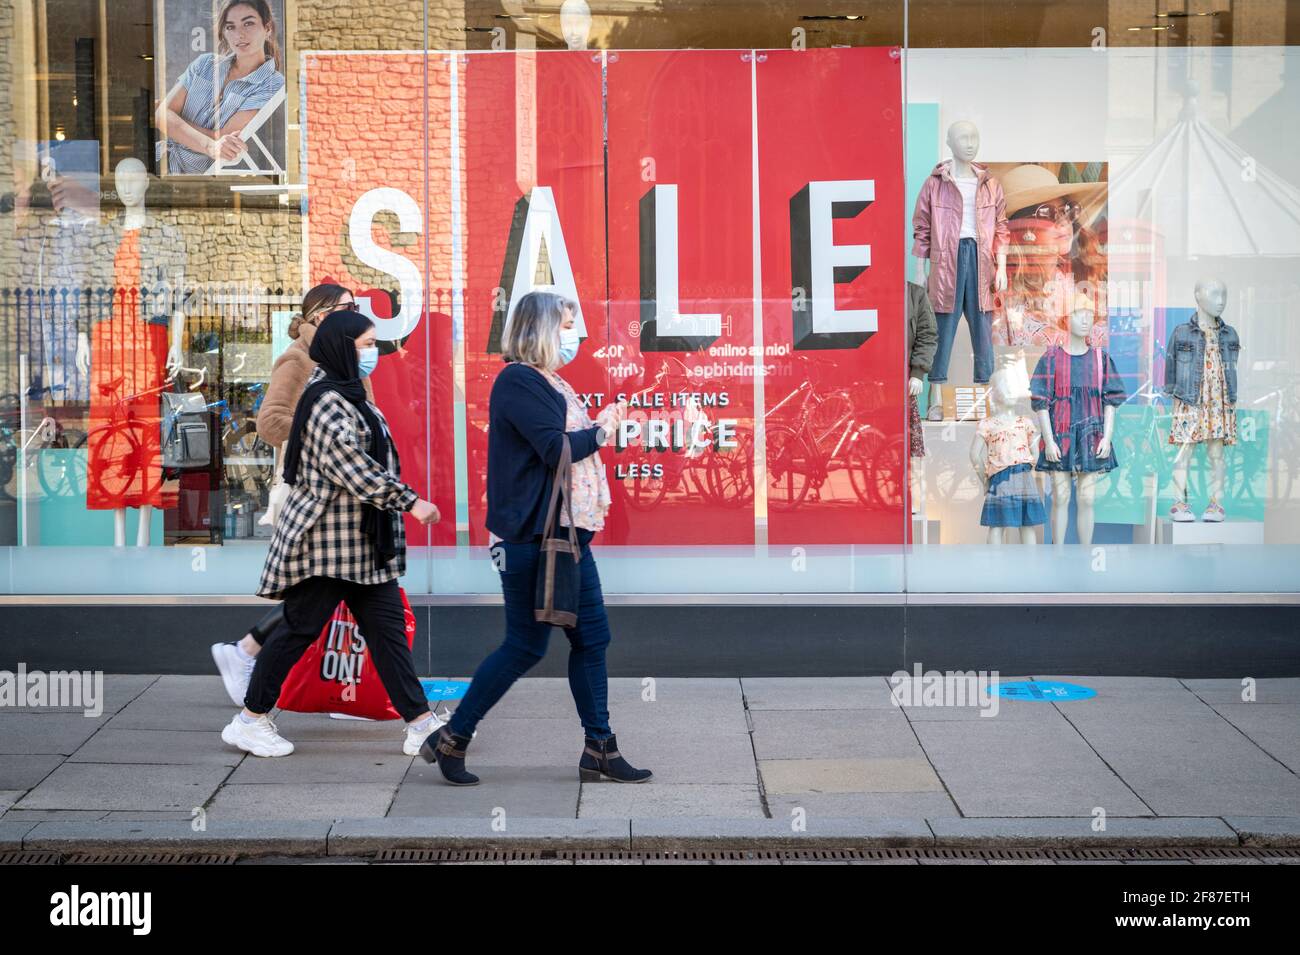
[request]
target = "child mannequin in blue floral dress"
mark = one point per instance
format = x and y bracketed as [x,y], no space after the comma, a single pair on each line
[1075,389]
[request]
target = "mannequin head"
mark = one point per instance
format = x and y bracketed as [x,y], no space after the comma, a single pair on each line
[132,181]
[964,140]
[1003,391]
[575,23]
[1082,318]
[1211,297]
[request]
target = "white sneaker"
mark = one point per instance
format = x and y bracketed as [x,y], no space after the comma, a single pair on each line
[414,737]
[259,737]
[235,670]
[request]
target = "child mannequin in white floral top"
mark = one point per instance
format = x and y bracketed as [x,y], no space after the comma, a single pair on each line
[1003,454]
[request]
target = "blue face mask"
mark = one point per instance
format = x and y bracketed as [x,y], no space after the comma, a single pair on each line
[569,342]
[367,359]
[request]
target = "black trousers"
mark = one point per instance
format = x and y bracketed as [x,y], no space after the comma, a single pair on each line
[381,619]
[263,628]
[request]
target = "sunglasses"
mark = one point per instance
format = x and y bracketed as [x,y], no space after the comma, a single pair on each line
[1067,209]
[339,307]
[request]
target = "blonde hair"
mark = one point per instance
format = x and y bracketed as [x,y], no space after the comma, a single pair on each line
[532,332]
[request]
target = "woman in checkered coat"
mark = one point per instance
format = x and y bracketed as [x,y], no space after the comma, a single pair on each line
[339,537]
[289,376]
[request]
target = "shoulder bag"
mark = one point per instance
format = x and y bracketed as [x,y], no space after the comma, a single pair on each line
[558,575]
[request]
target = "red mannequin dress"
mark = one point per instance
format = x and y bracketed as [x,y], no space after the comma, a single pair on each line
[128,357]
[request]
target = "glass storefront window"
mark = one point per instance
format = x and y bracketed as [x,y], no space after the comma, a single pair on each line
[1060,362]
[1149,230]
[156,258]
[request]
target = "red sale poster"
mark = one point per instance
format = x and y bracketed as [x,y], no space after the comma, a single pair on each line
[639,203]
[681,288]
[830,166]
[534,190]
[378,227]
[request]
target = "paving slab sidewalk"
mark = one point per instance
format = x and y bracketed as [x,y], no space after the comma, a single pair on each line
[803,761]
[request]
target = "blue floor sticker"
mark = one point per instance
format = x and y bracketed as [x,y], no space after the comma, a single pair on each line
[1051,692]
[444,689]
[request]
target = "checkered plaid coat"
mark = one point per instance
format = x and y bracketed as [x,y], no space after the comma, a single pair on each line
[318,532]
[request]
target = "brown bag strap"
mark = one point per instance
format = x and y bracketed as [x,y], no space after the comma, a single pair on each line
[567,463]
[560,486]
[555,490]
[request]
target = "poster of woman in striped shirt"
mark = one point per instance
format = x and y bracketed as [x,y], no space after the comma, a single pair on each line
[224,110]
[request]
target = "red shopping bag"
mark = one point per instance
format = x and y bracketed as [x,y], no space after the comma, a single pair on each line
[337,674]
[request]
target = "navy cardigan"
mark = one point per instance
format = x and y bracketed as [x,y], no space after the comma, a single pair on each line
[526,418]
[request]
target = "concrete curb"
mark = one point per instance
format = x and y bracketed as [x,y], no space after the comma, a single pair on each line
[358,837]
[1077,833]
[685,833]
[1266,832]
[366,836]
[12,833]
[286,837]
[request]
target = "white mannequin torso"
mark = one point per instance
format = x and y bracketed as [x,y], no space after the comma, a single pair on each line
[967,188]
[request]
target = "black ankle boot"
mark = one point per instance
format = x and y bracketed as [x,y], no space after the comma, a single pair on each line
[600,758]
[448,750]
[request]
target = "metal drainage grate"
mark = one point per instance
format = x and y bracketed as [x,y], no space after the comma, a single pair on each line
[713,855]
[462,855]
[29,858]
[789,855]
[760,856]
[1176,853]
[151,858]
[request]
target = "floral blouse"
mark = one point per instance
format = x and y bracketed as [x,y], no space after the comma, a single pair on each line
[1008,443]
[589,487]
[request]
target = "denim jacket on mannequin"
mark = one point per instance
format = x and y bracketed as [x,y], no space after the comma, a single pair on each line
[1185,361]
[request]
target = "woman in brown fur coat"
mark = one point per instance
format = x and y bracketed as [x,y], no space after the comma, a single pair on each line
[289,377]
[291,370]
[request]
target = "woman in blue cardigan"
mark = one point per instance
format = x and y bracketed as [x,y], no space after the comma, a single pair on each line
[532,412]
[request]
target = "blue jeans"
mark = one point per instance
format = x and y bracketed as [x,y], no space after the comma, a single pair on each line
[526,639]
[965,300]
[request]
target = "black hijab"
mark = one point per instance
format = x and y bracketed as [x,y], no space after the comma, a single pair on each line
[334,349]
